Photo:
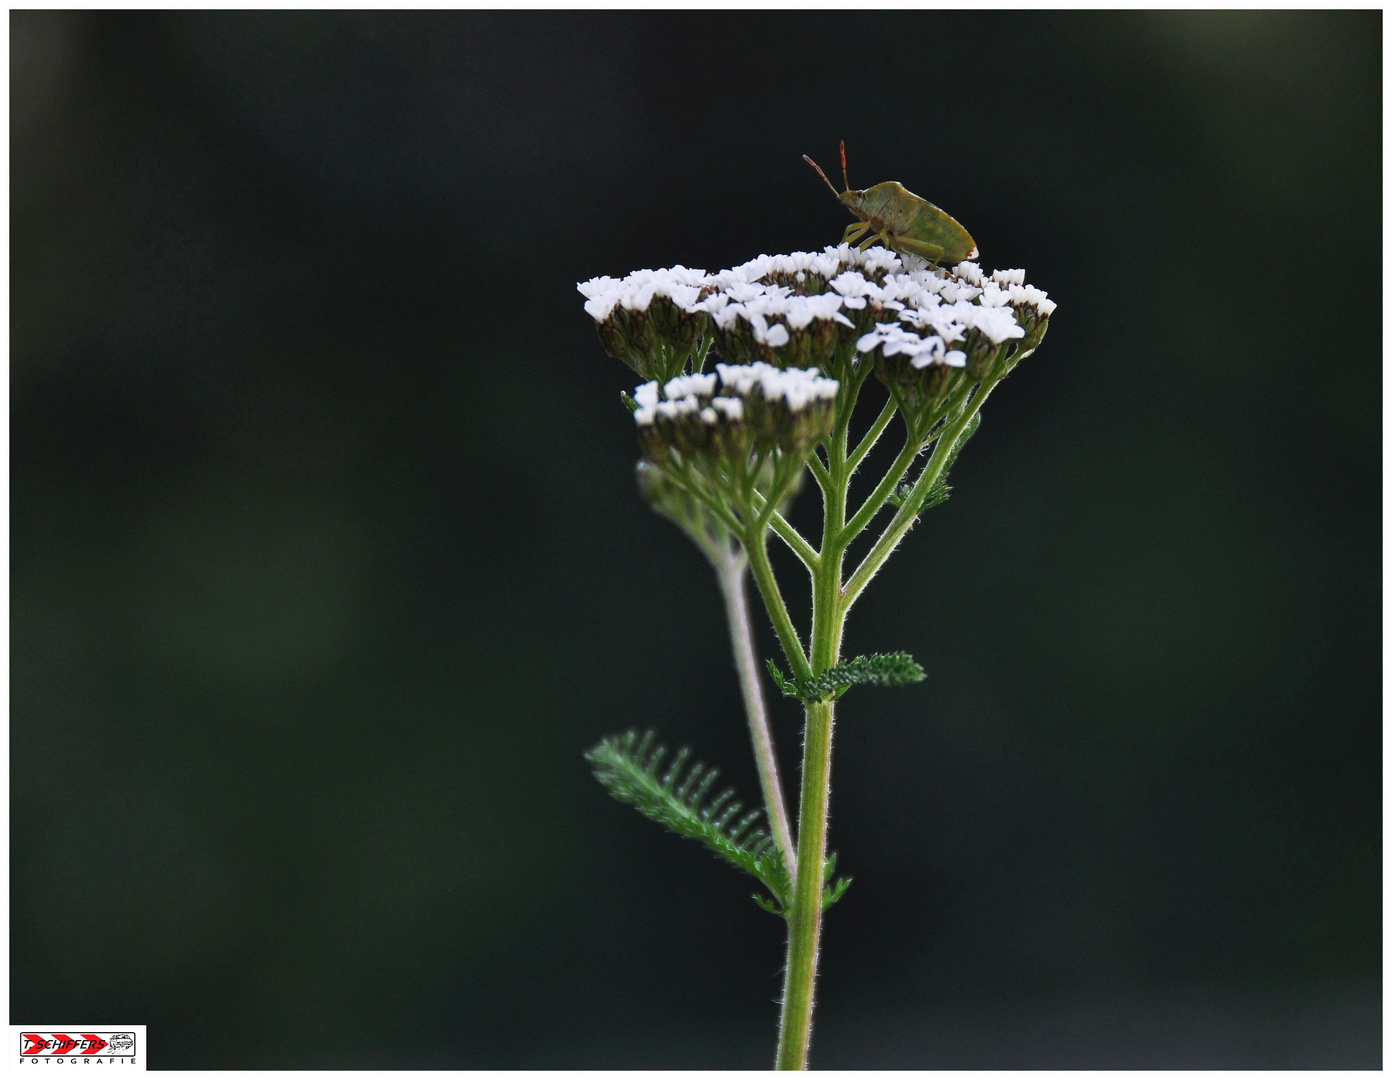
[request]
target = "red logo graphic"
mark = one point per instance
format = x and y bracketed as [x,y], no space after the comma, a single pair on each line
[76,1044]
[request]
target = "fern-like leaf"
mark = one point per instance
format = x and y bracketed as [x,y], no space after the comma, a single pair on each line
[938,493]
[630,768]
[832,892]
[881,669]
[786,686]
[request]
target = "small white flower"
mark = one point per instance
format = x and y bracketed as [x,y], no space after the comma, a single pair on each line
[992,295]
[968,272]
[774,304]
[798,387]
[940,318]
[880,259]
[953,291]
[827,264]
[895,340]
[672,410]
[744,291]
[713,303]
[681,275]
[733,408]
[601,307]
[638,299]
[775,336]
[598,286]
[803,309]
[726,318]
[855,290]
[685,385]
[646,395]
[851,283]
[931,282]
[998,324]
[930,350]
[1036,298]
[753,270]
[1008,277]
[684,296]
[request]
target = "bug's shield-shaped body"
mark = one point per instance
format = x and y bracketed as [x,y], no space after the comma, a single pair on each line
[909,224]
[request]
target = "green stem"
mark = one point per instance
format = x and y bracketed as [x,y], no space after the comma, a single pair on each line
[873,435]
[805,918]
[876,499]
[908,512]
[685,477]
[795,540]
[805,914]
[830,604]
[755,547]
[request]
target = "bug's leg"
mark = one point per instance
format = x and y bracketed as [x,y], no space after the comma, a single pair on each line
[921,248]
[854,232]
[869,240]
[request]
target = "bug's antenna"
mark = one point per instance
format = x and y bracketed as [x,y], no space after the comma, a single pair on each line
[822,175]
[843,165]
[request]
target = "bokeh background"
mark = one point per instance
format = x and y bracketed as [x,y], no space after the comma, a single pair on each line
[327,561]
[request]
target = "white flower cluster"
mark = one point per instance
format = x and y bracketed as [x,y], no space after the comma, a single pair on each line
[919,312]
[686,395]
[635,292]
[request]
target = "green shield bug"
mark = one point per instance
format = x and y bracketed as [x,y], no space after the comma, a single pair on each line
[902,221]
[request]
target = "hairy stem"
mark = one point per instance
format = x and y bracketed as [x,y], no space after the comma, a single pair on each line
[831,601]
[755,547]
[883,490]
[794,539]
[805,916]
[908,512]
[730,567]
[805,919]
[873,435]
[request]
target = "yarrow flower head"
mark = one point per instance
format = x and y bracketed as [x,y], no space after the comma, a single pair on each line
[649,319]
[826,309]
[734,412]
[743,367]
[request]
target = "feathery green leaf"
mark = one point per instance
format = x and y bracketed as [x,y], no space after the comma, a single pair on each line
[880,669]
[786,686]
[834,891]
[630,768]
[938,493]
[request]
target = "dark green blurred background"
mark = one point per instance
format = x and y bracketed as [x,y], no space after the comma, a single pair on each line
[328,562]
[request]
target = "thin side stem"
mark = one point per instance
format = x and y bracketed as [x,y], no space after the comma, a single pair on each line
[730,566]
[873,435]
[685,478]
[755,548]
[875,501]
[795,540]
[908,512]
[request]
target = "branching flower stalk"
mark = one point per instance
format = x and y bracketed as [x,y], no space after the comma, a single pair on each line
[753,376]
